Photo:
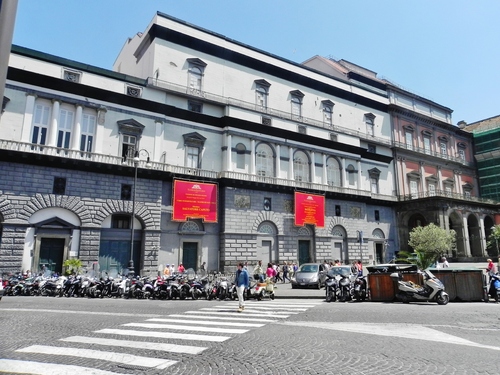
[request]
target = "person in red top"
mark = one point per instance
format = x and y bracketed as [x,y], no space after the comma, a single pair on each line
[180,269]
[491,269]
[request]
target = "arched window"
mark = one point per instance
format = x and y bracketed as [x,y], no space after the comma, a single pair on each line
[301,166]
[333,172]
[240,156]
[264,160]
[266,228]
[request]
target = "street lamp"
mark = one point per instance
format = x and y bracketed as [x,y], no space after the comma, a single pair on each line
[136,160]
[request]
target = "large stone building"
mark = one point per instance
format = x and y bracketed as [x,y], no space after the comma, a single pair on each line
[220,153]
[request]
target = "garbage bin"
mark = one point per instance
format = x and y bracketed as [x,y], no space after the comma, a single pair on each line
[462,284]
[380,284]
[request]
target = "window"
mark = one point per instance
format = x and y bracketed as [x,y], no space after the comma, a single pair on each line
[409,140]
[333,172]
[338,211]
[377,215]
[193,143]
[59,187]
[126,192]
[264,160]
[448,191]
[370,124]
[467,194]
[351,174]
[128,146]
[120,221]
[414,189]
[427,145]
[327,112]
[444,148]
[65,125]
[240,156]
[301,166]
[40,124]
[432,190]
[461,153]
[88,131]
[261,93]
[374,175]
[195,75]
[296,100]
[195,106]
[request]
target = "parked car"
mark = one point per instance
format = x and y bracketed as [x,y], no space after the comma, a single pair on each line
[309,275]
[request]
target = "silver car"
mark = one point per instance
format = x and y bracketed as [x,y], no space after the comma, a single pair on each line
[309,275]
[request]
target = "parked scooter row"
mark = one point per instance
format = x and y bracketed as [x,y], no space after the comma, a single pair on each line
[344,286]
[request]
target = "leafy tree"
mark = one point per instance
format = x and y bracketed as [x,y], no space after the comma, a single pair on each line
[494,240]
[73,265]
[429,244]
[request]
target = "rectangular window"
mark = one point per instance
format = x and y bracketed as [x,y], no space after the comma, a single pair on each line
[377,215]
[59,187]
[128,146]
[126,192]
[374,185]
[261,96]
[66,119]
[40,124]
[427,145]
[409,140]
[296,107]
[338,212]
[88,132]
[195,106]
[432,190]
[461,153]
[370,128]
[328,115]
[120,221]
[192,157]
[414,189]
[444,149]
[448,191]
[467,194]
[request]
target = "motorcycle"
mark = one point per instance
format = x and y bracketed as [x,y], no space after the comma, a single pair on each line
[494,289]
[332,287]
[223,288]
[431,291]
[200,288]
[260,290]
[360,289]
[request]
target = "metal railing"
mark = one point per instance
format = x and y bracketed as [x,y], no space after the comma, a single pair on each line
[445,194]
[435,154]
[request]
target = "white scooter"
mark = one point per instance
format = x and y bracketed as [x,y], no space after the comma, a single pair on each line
[432,290]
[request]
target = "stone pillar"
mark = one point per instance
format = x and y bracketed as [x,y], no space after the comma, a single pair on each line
[466,238]
[29,110]
[313,167]
[278,161]
[54,124]
[229,152]
[358,167]
[77,129]
[252,157]
[344,175]
[324,171]
[290,163]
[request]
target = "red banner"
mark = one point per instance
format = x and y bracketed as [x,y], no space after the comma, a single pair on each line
[194,200]
[309,209]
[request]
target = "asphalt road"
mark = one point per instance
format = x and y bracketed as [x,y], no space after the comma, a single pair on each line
[44,335]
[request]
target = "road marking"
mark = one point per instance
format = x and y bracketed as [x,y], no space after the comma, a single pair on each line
[233,312]
[11,366]
[83,312]
[186,328]
[164,335]
[268,307]
[207,322]
[232,309]
[222,317]
[408,331]
[128,359]
[171,348]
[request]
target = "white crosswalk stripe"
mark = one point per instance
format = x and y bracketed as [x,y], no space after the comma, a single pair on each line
[213,324]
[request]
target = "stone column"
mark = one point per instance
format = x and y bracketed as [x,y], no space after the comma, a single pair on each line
[313,167]
[29,110]
[77,129]
[278,161]
[358,166]
[229,152]
[324,171]
[290,163]
[54,124]
[253,161]
[466,238]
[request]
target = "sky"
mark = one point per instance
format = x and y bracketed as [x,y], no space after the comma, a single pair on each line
[444,50]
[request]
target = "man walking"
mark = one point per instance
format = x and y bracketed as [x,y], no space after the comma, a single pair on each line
[241,282]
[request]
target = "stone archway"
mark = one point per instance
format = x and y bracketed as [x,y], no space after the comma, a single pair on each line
[456,223]
[474,236]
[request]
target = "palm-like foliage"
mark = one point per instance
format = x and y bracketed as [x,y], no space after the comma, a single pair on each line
[73,265]
[422,260]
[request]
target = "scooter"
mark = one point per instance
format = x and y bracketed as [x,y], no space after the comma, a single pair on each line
[332,287]
[431,291]
[260,290]
[359,292]
[494,289]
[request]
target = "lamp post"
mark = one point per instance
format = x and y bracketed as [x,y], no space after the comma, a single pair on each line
[136,160]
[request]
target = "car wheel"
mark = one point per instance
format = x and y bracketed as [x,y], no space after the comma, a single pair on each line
[294,286]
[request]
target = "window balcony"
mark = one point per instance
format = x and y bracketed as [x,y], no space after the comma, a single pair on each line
[423,151]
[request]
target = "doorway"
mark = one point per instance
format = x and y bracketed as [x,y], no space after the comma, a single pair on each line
[51,254]
[190,255]
[379,253]
[304,251]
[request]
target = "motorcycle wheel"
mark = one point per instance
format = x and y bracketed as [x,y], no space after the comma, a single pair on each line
[442,299]
[328,295]
[194,294]
[272,296]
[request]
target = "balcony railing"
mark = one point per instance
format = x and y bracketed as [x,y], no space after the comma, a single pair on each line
[445,194]
[424,151]
[226,101]
[185,172]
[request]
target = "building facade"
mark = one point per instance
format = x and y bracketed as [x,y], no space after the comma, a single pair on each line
[197,148]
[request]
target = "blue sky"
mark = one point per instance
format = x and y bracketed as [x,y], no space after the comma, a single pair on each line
[445,50]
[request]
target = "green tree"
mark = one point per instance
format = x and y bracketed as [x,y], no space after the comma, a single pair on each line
[493,241]
[73,265]
[429,244]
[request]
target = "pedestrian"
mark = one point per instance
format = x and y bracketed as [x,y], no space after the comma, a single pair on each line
[326,266]
[360,268]
[291,271]
[285,272]
[258,272]
[181,268]
[491,269]
[444,262]
[172,269]
[166,271]
[278,273]
[337,262]
[241,282]
[202,267]
[270,272]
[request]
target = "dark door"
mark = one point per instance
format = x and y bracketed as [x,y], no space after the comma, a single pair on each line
[189,254]
[379,253]
[114,256]
[51,254]
[304,255]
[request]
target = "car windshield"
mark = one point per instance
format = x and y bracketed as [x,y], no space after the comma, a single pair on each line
[344,271]
[308,268]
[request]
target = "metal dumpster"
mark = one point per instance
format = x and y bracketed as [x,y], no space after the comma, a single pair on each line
[381,286]
[462,284]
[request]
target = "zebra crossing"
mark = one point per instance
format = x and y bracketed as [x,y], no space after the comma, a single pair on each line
[197,328]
